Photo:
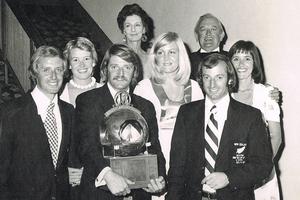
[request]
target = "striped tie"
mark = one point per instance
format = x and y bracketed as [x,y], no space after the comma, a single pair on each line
[211,142]
[51,130]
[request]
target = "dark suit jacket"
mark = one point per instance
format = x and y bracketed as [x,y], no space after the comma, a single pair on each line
[89,113]
[196,57]
[26,169]
[244,127]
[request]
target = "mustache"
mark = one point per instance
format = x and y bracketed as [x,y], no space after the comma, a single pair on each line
[121,77]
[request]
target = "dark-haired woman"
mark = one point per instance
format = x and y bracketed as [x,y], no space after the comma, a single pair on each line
[246,59]
[137,29]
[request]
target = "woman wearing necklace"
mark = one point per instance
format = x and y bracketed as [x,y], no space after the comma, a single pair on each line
[137,28]
[169,86]
[82,58]
[246,60]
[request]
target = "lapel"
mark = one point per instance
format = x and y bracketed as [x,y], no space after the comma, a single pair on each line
[107,100]
[199,115]
[65,135]
[34,125]
[193,121]
[230,124]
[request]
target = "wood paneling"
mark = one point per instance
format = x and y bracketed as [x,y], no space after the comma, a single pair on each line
[17,46]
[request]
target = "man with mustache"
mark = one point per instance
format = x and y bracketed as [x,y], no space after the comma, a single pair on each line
[119,71]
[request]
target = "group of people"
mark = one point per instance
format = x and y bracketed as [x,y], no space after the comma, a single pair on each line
[213,124]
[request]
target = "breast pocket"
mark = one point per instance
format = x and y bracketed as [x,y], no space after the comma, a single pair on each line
[239,153]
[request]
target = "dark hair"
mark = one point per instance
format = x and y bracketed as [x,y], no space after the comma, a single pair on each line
[135,9]
[213,60]
[127,54]
[248,46]
[43,52]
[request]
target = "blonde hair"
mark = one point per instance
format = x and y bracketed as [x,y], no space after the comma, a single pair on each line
[43,52]
[81,43]
[183,74]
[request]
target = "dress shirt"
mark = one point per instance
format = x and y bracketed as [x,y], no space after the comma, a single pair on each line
[99,180]
[215,50]
[42,102]
[220,117]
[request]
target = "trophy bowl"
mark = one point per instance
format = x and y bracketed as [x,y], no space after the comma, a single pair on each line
[124,132]
[124,139]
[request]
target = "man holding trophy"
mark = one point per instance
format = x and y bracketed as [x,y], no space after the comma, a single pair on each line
[120,69]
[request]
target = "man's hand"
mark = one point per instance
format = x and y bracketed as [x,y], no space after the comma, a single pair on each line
[216,180]
[156,185]
[118,185]
[75,176]
[275,95]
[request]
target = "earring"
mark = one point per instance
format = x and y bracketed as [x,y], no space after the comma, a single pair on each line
[124,39]
[144,37]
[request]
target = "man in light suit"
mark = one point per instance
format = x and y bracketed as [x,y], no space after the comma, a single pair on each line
[30,167]
[119,70]
[243,156]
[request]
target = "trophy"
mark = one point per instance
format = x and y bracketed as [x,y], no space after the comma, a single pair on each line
[124,134]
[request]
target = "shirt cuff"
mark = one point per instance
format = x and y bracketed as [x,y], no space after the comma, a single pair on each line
[99,180]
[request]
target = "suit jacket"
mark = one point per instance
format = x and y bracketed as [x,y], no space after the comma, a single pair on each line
[244,153]
[26,168]
[195,58]
[89,113]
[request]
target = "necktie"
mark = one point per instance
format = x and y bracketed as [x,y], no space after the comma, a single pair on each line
[51,130]
[211,142]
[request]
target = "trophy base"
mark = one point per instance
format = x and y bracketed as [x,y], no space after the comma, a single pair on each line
[139,169]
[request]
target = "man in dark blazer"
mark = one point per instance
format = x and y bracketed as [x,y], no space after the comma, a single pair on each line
[28,167]
[243,157]
[210,34]
[119,70]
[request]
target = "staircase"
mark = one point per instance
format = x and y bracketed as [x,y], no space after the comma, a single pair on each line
[44,22]
[10,87]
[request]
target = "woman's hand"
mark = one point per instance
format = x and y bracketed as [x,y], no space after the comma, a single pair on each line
[275,95]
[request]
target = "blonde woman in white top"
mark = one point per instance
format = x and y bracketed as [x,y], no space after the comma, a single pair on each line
[169,86]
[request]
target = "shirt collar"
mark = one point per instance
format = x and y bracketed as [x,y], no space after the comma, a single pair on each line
[113,91]
[41,100]
[222,106]
[215,50]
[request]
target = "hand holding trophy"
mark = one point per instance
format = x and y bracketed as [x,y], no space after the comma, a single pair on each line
[124,135]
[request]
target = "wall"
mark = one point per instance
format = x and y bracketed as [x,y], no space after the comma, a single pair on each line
[272,25]
[1,24]
[17,46]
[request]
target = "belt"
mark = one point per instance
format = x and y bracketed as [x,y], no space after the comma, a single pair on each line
[209,195]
